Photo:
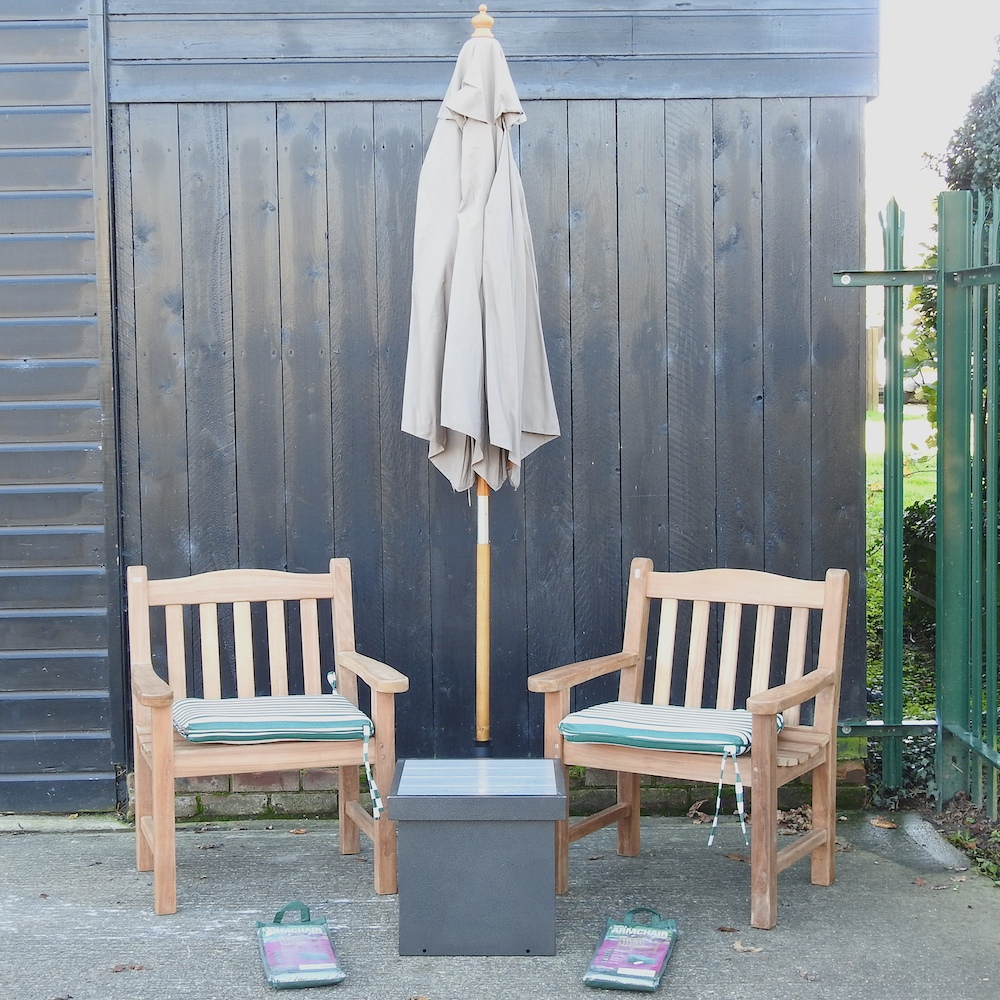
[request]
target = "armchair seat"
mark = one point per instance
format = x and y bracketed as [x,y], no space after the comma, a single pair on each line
[270,719]
[662,727]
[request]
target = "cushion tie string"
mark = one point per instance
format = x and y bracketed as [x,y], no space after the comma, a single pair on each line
[377,806]
[729,751]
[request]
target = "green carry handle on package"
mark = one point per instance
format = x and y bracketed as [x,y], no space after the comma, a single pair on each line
[297,953]
[632,954]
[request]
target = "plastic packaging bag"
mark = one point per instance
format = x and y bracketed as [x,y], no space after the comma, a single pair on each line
[632,954]
[297,953]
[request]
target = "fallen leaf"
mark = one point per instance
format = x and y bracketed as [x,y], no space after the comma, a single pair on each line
[797,820]
[74,816]
[596,857]
[809,977]
[882,823]
[958,878]
[696,814]
[920,881]
[738,857]
[208,847]
[745,949]
[133,967]
[298,831]
[726,930]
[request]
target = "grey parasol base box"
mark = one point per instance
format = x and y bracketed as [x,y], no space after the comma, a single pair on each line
[476,855]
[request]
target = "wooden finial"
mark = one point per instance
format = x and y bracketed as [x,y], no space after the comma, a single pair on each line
[482,23]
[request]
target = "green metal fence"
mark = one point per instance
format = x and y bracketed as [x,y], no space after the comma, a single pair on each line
[966,610]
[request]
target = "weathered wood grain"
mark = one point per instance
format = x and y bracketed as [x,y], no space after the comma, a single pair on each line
[739,377]
[594,330]
[161,387]
[691,416]
[208,335]
[305,329]
[787,383]
[257,343]
[548,475]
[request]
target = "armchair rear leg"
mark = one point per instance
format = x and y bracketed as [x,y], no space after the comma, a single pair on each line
[348,789]
[562,852]
[824,810]
[143,810]
[628,827]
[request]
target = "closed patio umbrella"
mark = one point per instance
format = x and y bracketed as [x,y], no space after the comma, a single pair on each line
[477,382]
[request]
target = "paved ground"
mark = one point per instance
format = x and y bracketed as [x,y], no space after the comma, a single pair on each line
[901,923]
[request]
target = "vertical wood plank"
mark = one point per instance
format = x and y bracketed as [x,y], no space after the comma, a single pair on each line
[786,347]
[354,359]
[208,335]
[257,348]
[125,341]
[738,333]
[312,682]
[305,332]
[243,645]
[548,475]
[691,419]
[277,648]
[176,643]
[403,459]
[643,331]
[837,340]
[159,319]
[594,317]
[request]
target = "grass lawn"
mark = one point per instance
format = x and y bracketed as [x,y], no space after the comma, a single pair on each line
[919,468]
[919,483]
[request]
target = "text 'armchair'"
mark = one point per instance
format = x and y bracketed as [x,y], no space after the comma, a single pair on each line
[222,637]
[790,657]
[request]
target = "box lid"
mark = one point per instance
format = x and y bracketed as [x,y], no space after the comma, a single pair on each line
[479,788]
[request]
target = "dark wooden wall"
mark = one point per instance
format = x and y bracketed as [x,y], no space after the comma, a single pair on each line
[61,720]
[686,226]
[693,175]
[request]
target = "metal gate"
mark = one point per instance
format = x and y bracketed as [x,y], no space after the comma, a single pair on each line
[966,614]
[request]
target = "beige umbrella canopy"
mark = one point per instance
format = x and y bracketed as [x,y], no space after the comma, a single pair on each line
[477,385]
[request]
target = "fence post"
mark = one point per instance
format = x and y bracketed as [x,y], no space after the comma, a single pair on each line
[892,500]
[954,492]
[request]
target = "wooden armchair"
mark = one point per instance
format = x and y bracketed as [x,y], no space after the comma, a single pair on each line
[232,730]
[768,744]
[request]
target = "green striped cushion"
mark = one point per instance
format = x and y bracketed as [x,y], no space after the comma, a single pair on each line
[269,720]
[661,727]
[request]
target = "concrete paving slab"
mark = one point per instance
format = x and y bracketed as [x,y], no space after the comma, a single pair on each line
[902,922]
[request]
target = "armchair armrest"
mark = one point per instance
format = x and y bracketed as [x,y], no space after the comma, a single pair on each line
[377,675]
[571,674]
[795,692]
[149,688]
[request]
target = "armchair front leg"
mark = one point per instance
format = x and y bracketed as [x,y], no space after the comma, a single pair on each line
[764,826]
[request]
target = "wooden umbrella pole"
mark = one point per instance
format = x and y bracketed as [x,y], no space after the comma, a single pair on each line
[483,619]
